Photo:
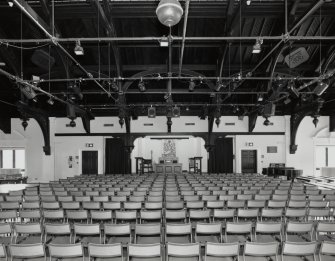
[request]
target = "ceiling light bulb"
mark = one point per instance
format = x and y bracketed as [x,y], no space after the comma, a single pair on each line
[78,49]
[10,3]
[169,12]
[248,2]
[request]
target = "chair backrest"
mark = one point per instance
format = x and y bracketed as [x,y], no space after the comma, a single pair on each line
[101,215]
[261,249]
[150,214]
[174,204]
[298,249]
[175,214]
[147,229]
[205,228]
[199,214]
[28,228]
[57,229]
[117,229]
[182,250]
[5,228]
[105,250]
[53,214]
[76,214]
[65,250]
[86,229]
[324,227]
[8,214]
[268,227]
[222,249]
[327,249]
[3,252]
[178,229]
[50,205]
[26,250]
[144,251]
[238,227]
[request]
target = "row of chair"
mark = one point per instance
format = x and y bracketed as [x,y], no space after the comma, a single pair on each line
[168,196]
[172,251]
[157,203]
[143,216]
[171,232]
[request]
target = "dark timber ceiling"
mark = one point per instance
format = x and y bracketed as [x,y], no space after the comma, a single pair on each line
[208,56]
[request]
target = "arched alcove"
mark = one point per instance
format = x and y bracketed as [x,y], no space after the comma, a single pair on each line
[151,147]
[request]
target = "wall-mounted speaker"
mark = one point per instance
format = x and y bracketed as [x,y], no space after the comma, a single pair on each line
[269,109]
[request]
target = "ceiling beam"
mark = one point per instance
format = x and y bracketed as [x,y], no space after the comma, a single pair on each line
[111,32]
[30,13]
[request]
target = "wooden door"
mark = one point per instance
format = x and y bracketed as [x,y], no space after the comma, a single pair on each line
[249,161]
[89,162]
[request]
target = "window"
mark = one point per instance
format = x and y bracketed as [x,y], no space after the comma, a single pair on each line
[12,158]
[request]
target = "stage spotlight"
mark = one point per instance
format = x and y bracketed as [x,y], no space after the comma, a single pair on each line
[257,47]
[78,49]
[287,101]
[320,88]
[141,86]
[176,112]
[218,85]
[260,97]
[51,101]
[292,89]
[114,86]
[191,86]
[29,92]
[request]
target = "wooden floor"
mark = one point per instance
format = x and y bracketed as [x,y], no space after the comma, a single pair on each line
[6,188]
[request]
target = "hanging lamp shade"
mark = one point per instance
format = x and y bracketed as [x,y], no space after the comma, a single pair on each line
[169,12]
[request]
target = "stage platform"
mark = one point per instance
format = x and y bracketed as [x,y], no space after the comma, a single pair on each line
[6,188]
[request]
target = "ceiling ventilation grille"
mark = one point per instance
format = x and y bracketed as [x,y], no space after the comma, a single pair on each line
[230,124]
[148,124]
[108,125]
[189,123]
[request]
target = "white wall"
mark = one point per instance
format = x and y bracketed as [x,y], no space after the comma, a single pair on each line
[73,146]
[304,156]
[260,143]
[44,168]
[239,125]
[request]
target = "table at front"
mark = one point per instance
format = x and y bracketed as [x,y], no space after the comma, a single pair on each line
[168,168]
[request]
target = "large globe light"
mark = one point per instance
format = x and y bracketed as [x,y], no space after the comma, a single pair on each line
[169,12]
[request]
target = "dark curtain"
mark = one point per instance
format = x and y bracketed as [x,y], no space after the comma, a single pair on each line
[223,155]
[115,161]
